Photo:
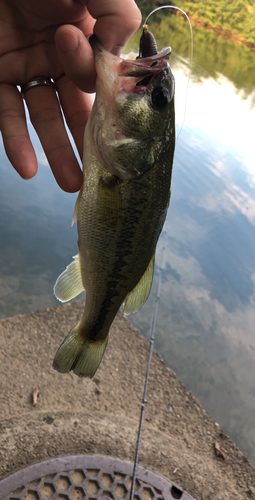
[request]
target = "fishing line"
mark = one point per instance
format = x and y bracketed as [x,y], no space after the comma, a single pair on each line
[152,338]
[191,51]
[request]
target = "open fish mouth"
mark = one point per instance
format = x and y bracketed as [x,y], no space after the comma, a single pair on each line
[141,66]
[135,75]
[148,63]
[143,71]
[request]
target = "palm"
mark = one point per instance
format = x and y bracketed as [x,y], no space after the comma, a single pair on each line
[32,54]
[28,34]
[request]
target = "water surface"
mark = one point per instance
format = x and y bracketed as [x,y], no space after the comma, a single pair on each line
[206,314]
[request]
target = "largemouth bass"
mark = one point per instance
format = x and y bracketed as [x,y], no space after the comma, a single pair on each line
[129,146]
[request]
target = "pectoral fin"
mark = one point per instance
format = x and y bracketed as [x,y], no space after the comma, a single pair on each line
[69,283]
[136,298]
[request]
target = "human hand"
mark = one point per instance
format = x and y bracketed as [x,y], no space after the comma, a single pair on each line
[28,31]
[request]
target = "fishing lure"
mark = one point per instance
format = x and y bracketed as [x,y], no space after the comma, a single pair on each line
[148,45]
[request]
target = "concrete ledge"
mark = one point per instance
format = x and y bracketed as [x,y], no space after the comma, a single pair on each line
[100,416]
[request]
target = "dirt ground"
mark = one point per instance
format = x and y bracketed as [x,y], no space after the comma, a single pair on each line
[101,416]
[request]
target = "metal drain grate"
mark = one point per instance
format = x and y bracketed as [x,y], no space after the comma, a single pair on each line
[87,477]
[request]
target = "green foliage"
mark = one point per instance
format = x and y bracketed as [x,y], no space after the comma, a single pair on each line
[236,17]
[213,54]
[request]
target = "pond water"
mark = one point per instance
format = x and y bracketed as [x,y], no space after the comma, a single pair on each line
[206,316]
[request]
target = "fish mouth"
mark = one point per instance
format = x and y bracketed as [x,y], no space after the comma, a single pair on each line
[135,74]
[145,66]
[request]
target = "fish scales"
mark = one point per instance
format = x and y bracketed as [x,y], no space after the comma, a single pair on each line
[122,251]
[123,203]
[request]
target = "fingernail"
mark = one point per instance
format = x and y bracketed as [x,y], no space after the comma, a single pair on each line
[69,42]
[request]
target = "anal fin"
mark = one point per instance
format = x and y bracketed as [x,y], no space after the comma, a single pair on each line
[136,298]
[69,283]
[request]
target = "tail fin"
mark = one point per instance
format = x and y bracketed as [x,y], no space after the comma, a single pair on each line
[80,355]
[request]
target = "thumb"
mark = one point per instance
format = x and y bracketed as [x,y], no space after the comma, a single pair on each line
[76,57]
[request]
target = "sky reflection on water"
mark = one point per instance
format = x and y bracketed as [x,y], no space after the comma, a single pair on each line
[206,314]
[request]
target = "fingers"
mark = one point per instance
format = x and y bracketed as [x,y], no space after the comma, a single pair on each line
[47,120]
[76,57]
[76,106]
[46,117]
[115,22]
[14,130]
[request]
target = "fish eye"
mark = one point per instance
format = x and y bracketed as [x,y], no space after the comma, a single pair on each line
[160,97]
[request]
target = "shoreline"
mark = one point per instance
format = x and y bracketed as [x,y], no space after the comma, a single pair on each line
[226,34]
[238,39]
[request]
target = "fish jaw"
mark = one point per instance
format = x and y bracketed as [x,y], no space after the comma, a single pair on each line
[120,136]
[110,68]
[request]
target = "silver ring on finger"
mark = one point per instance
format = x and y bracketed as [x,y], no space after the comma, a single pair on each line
[36,82]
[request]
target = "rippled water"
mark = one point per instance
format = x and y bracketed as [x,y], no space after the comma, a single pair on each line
[205,327]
